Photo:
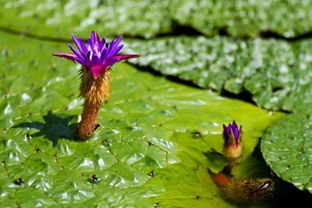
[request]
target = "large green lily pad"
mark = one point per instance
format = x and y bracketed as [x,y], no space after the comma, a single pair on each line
[111,17]
[154,133]
[244,18]
[148,18]
[275,72]
[287,148]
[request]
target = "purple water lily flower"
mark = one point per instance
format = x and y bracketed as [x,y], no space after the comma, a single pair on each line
[232,133]
[96,56]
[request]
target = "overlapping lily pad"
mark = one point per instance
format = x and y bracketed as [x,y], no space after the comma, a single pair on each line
[276,73]
[287,148]
[148,18]
[154,133]
[245,18]
[110,17]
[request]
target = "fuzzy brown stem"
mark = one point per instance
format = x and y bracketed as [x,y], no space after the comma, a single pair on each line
[88,120]
[95,92]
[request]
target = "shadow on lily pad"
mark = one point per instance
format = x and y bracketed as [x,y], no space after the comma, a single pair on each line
[53,128]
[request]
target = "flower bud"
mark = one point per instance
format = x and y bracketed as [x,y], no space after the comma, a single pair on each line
[232,135]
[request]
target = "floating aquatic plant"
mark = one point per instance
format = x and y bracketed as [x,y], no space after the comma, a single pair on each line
[96,58]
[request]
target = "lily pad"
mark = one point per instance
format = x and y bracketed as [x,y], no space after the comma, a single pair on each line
[147,18]
[242,18]
[275,72]
[60,18]
[287,148]
[153,133]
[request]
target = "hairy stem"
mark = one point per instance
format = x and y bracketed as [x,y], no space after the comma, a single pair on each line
[95,92]
[88,121]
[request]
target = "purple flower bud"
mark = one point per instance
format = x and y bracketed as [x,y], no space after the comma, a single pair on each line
[232,135]
[95,55]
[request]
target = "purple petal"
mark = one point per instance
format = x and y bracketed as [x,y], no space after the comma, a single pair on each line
[80,45]
[228,129]
[89,45]
[126,56]
[113,47]
[113,51]
[119,39]
[102,45]
[110,62]
[95,38]
[115,42]
[235,130]
[75,51]
[78,58]
[69,56]
[94,59]
[119,57]
[236,133]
